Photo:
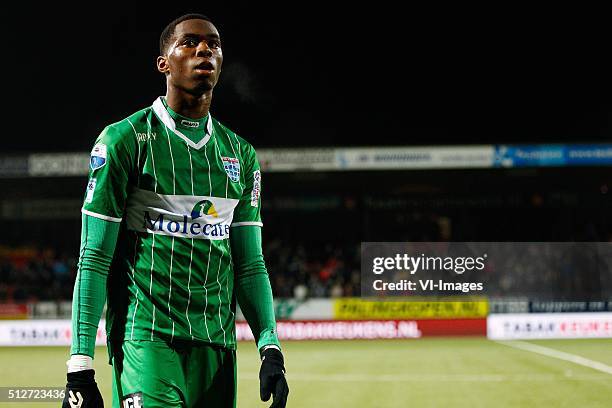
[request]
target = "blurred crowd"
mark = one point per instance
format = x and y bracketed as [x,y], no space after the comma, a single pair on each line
[296,270]
[315,270]
[30,274]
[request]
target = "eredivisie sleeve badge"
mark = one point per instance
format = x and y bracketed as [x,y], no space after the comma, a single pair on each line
[231,166]
[98,156]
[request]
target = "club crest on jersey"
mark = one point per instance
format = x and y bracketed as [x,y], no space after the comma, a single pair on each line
[232,168]
[98,156]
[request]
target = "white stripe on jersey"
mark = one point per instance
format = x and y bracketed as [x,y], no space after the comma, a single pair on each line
[219,283]
[189,289]
[218,155]
[227,275]
[218,269]
[153,243]
[172,160]
[172,249]
[191,254]
[138,144]
[133,266]
[241,224]
[206,291]
[237,141]
[209,251]
[226,185]
[100,216]
[170,289]
[151,285]
[152,155]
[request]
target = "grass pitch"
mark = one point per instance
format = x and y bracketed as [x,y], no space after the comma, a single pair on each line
[438,372]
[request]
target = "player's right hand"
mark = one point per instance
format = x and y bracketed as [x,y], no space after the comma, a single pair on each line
[82,391]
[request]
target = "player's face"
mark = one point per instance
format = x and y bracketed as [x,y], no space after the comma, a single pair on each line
[194,59]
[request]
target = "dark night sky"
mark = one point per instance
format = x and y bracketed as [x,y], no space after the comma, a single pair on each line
[311,76]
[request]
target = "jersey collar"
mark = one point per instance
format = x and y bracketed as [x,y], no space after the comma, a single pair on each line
[166,119]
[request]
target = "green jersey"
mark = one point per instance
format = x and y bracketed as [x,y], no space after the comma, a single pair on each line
[177,187]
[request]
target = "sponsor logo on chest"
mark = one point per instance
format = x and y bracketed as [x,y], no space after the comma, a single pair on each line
[180,216]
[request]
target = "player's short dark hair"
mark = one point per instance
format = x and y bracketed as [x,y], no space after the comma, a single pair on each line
[166,36]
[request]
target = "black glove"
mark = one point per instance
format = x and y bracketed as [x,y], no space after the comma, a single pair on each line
[272,378]
[82,391]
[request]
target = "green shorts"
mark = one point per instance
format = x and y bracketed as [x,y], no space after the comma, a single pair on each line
[152,374]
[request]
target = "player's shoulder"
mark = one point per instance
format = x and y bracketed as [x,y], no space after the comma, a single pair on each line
[126,130]
[130,125]
[229,136]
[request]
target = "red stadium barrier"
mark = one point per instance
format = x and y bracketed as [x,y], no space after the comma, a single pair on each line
[13,311]
[370,329]
[453,327]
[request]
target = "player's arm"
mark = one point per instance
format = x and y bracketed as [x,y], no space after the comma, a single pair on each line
[98,239]
[252,284]
[254,295]
[105,197]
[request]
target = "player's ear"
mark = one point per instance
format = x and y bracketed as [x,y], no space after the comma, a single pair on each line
[162,65]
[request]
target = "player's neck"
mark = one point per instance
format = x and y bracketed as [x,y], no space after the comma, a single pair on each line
[188,105]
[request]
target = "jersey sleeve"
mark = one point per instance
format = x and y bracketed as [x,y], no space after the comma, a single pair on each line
[98,241]
[248,210]
[110,165]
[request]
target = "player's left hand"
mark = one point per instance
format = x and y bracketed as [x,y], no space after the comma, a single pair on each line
[82,391]
[272,378]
